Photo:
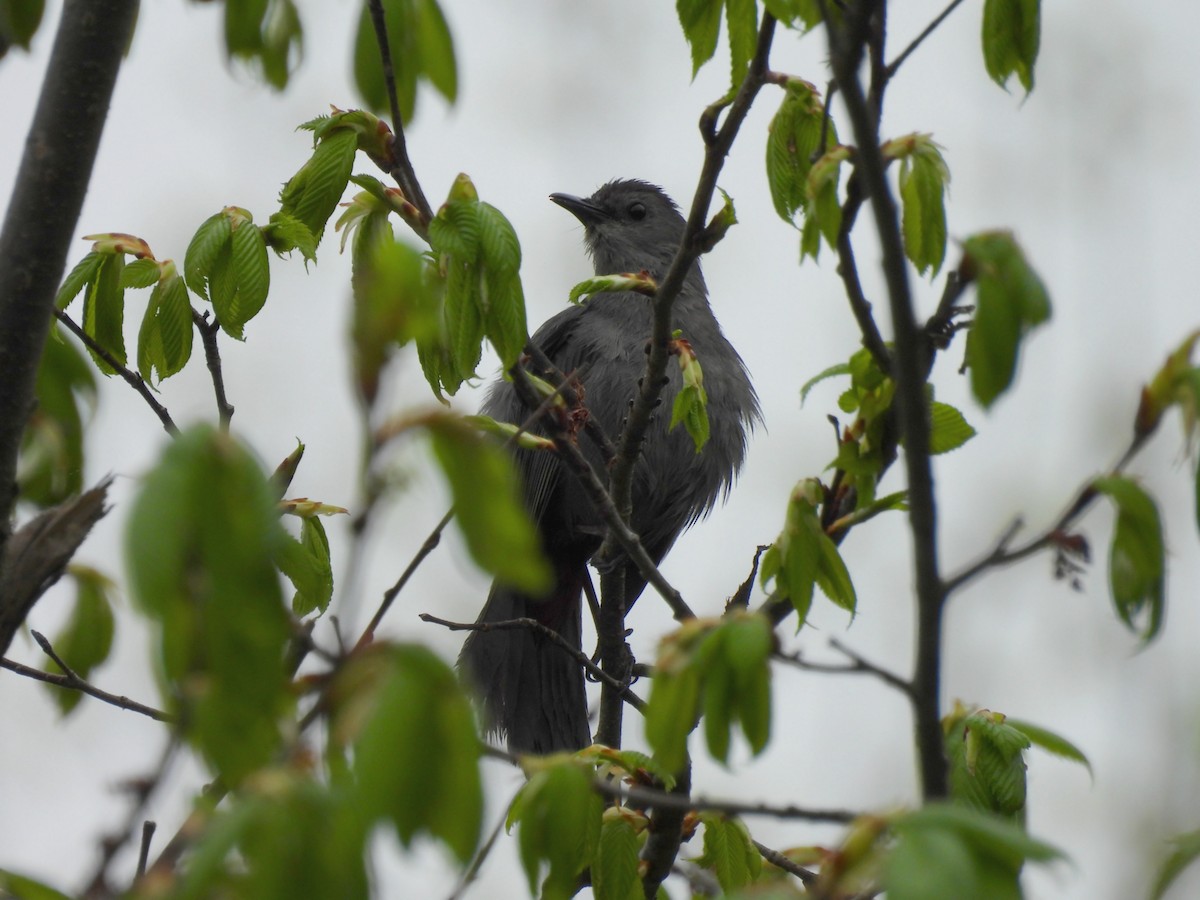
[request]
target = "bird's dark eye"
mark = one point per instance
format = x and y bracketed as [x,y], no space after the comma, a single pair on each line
[637,211]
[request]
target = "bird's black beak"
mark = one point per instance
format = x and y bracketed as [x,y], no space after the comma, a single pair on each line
[581,208]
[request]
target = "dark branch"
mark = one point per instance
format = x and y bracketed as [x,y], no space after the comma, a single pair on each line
[131,378]
[895,64]
[212,355]
[402,171]
[73,682]
[551,635]
[657,799]
[857,666]
[777,859]
[60,151]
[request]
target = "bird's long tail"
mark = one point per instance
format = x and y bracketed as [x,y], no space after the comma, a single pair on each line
[530,688]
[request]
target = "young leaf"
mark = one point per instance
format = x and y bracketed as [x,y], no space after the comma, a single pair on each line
[802,14]
[701,22]
[1136,562]
[1011,35]
[793,140]
[165,337]
[923,179]
[641,283]
[487,505]
[104,311]
[615,869]
[82,275]
[741,18]
[559,817]
[1011,301]
[312,194]
[1054,743]
[202,539]
[416,757]
[691,403]
[251,274]
[307,565]
[421,48]
[86,640]
[206,245]
[948,429]
[503,299]
[987,765]
[729,851]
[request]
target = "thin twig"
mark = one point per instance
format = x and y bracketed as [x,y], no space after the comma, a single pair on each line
[389,597]
[212,355]
[142,789]
[550,634]
[403,171]
[847,268]
[857,666]
[148,829]
[919,39]
[472,871]
[75,683]
[777,859]
[134,380]
[640,796]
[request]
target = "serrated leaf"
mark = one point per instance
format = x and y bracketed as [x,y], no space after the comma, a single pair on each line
[202,252]
[487,505]
[948,429]
[284,233]
[1011,300]
[83,274]
[923,179]
[141,273]
[201,543]
[251,273]
[837,369]
[793,139]
[1011,35]
[1052,742]
[313,193]
[701,22]
[104,311]
[729,851]
[307,565]
[615,870]
[559,819]
[1136,557]
[503,301]
[741,20]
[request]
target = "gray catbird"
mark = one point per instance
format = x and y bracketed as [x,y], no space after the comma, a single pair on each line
[530,688]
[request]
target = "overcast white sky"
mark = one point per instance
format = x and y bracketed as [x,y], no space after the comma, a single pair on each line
[1095,173]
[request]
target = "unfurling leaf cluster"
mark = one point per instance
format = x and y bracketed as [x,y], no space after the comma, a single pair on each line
[804,556]
[226,264]
[923,180]
[691,403]
[718,670]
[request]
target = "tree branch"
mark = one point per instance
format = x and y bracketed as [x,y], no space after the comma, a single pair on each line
[72,682]
[134,380]
[847,40]
[209,329]
[648,797]
[858,666]
[60,152]
[403,171]
[777,859]
[895,64]
[550,634]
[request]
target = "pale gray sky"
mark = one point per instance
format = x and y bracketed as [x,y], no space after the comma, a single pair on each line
[1095,174]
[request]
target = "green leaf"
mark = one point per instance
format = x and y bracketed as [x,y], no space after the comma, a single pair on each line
[987,764]
[436,49]
[19,21]
[83,274]
[639,283]
[741,19]
[559,817]
[837,369]
[206,245]
[488,506]
[14,885]
[141,273]
[1052,742]
[615,869]
[701,21]
[104,311]
[1185,852]
[166,333]
[923,180]
[251,273]
[672,713]
[793,140]
[307,565]
[948,429]
[1011,35]
[503,300]
[1011,301]
[312,194]
[283,43]
[804,14]
[86,640]
[202,538]
[284,233]
[1136,562]
[729,851]
[243,27]
[948,851]
[51,459]
[416,760]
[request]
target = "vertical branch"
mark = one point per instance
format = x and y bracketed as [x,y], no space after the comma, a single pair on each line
[847,40]
[212,356]
[56,167]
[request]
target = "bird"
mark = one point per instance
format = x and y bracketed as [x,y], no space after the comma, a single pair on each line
[530,690]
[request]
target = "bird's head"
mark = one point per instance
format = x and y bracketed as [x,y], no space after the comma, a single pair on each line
[629,225]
